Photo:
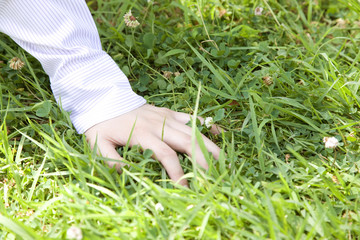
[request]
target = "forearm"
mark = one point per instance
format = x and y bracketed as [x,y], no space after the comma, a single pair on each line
[63,37]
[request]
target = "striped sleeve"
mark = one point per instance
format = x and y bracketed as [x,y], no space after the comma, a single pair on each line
[62,35]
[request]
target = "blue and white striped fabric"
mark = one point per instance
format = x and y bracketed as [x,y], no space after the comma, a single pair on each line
[62,35]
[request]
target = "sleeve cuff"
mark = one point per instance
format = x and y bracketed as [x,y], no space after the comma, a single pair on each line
[95,93]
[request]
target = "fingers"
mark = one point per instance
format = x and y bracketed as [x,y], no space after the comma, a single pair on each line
[167,157]
[211,146]
[182,142]
[106,149]
[185,118]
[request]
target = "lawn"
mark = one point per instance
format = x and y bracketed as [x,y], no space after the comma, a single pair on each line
[281,77]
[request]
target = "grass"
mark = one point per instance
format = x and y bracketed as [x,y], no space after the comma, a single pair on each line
[278,83]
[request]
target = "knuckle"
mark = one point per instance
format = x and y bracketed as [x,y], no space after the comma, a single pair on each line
[166,112]
[164,109]
[187,145]
[163,153]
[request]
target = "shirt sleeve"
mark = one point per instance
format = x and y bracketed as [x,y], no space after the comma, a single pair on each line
[62,35]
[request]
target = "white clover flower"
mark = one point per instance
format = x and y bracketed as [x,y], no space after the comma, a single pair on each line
[167,74]
[268,80]
[341,23]
[258,11]
[16,63]
[330,142]
[209,121]
[159,207]
[74,233]
[130,20]
[189,207]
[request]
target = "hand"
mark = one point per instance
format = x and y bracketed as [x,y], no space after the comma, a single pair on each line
[159,129]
